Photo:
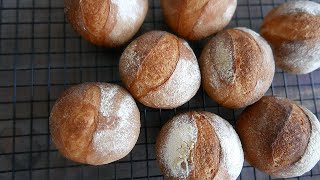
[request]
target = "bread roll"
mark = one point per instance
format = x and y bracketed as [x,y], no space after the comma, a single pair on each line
[237,67]
[197,19]
[280,137]
[95,123]
[108,23]
[199,145]
[160,70]
[293,30]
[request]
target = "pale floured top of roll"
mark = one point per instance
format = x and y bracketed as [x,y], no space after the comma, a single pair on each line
[311,155]
[303,57]
[119,123]
[308,7]
[217,22]
[127,15]
[232,157]
[178,146]
[185,79]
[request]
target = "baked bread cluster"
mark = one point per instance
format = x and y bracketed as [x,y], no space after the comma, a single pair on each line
[98,123]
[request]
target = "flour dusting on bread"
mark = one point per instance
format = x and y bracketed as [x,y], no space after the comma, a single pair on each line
[302,57]
[308,7]
[181,86]
[312,153]
[231,160]
[119,123]
[178,146]
[126,17]
[186,78]
[224,62]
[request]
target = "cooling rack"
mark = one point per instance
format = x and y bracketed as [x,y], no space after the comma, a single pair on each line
[40,56]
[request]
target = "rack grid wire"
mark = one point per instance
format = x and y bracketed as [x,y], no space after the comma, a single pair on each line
[40,56]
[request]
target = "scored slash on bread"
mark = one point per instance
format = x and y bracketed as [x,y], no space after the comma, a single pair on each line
[237,67]
[160,70]
[95,123]
[199,145]
[109,23]
[197,19]
[293,30]
[279,137]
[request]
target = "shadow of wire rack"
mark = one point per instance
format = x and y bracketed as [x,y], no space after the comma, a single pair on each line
[40,55]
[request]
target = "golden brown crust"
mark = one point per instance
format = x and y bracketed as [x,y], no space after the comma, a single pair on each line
[92,19]
[205,154]
[79,127]
[247,59]
[199,145]
[291,27]
[197,19]
[274,133]
[207,149]
[96,20]
[182,16]
[143,44]
[236,69]
[85,119]
[158,65]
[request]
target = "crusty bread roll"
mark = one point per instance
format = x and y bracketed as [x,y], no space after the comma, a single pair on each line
[237,67]
[160,70]
[199,145]
[95,123]
[280,137]
[108,23]
[197,19]
[293,30]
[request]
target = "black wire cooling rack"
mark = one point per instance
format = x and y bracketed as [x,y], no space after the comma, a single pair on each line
[40,56]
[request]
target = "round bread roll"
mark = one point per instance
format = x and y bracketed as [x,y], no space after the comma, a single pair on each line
[199,145]
[95,123]
[197,19]
[237,67]
[280,137]
[108,23]
[293,30]
[160,70]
